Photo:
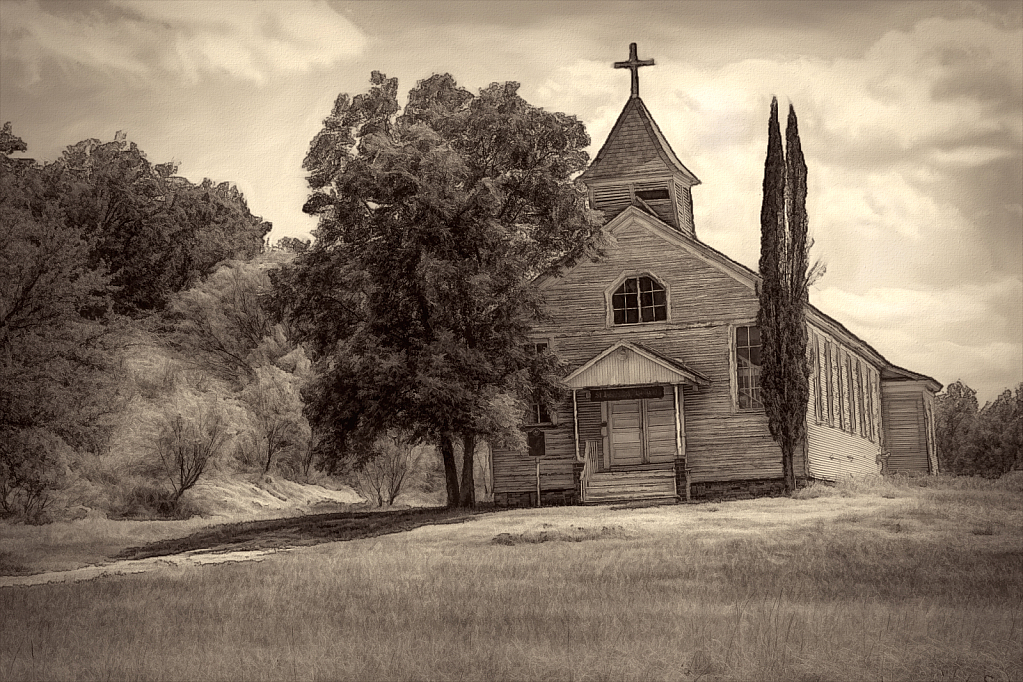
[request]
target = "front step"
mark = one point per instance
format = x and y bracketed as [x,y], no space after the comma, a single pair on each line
[620,486]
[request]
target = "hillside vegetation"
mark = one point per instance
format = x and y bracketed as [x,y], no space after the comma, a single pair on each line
[141,373]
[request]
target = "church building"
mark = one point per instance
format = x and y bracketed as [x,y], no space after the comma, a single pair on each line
[660,337]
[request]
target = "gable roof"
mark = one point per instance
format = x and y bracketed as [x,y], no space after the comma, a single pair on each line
[634,215]
[635,147]
[894,373]
[629,364]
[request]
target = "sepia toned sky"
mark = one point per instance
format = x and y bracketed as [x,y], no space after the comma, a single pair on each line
[910,114]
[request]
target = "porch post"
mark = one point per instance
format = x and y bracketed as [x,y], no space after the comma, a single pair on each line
[575,423]
[680,437]
[678,425]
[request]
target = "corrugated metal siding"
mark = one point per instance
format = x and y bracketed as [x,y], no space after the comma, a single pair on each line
[835,454]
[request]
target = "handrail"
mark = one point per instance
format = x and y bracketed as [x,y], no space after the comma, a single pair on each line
[590,465]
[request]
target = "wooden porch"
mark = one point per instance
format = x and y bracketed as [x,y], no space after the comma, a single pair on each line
[638,482]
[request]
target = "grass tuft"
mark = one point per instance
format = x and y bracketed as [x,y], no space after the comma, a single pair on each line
[572,534]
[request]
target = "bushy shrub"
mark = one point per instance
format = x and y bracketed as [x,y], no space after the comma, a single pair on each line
[146,501]
[33,464]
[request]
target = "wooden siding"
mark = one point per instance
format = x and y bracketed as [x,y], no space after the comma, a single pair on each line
[514,471]
[841,441]
[908,419]
[625,367]
[700,293]
[722,442]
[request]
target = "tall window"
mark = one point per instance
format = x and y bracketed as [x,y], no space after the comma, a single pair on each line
[639,299]
[818,373]
[869,382]
[538,413]
[860,399]
[829,378]
[747,366]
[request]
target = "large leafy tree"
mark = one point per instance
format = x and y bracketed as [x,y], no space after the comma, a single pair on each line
[955,412]
[984,442]
[415,294]
[58,379]
[153,232]
[783,292]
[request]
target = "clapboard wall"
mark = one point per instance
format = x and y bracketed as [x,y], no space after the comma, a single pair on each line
[706,303]
[844,421]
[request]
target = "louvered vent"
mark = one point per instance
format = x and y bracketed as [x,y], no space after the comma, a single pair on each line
[685,209]
[657,196]
[612,198]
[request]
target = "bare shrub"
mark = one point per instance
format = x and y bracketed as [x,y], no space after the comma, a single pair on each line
[146,501]
[187,443]
[276,407]
[396,463]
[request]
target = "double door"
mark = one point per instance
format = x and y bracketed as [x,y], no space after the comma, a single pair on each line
[640,431]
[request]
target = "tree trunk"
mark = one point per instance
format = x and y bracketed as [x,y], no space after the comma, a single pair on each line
[269,456]
[468,491]
[447,451]
[788,468]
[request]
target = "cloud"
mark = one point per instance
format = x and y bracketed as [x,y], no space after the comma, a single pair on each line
[966,331]
[181,39]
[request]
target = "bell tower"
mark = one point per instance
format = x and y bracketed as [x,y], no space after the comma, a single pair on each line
[637,167]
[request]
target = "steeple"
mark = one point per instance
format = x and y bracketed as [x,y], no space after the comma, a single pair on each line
[637,167]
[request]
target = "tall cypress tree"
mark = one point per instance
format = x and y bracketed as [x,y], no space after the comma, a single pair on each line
[783,292]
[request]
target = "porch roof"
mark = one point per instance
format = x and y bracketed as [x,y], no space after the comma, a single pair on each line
[629,364]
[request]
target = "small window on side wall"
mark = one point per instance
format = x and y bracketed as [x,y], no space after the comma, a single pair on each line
[639,299]
[538,412]
[747,367]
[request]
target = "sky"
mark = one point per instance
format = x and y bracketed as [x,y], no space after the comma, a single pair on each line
[910,117]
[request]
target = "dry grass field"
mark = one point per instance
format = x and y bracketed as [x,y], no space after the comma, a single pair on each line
[920,579]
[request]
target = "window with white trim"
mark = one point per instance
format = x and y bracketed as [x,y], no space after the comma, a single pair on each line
[639,299]
[748,367]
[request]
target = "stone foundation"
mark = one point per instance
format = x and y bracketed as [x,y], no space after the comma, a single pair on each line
[712,491]
[548,498]
[721,491]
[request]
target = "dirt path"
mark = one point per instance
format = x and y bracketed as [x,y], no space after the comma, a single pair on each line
[130,566]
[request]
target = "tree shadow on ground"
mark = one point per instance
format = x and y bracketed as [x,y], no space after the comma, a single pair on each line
[300,531]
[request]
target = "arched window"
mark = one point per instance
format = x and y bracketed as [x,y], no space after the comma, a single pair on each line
[639,299]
